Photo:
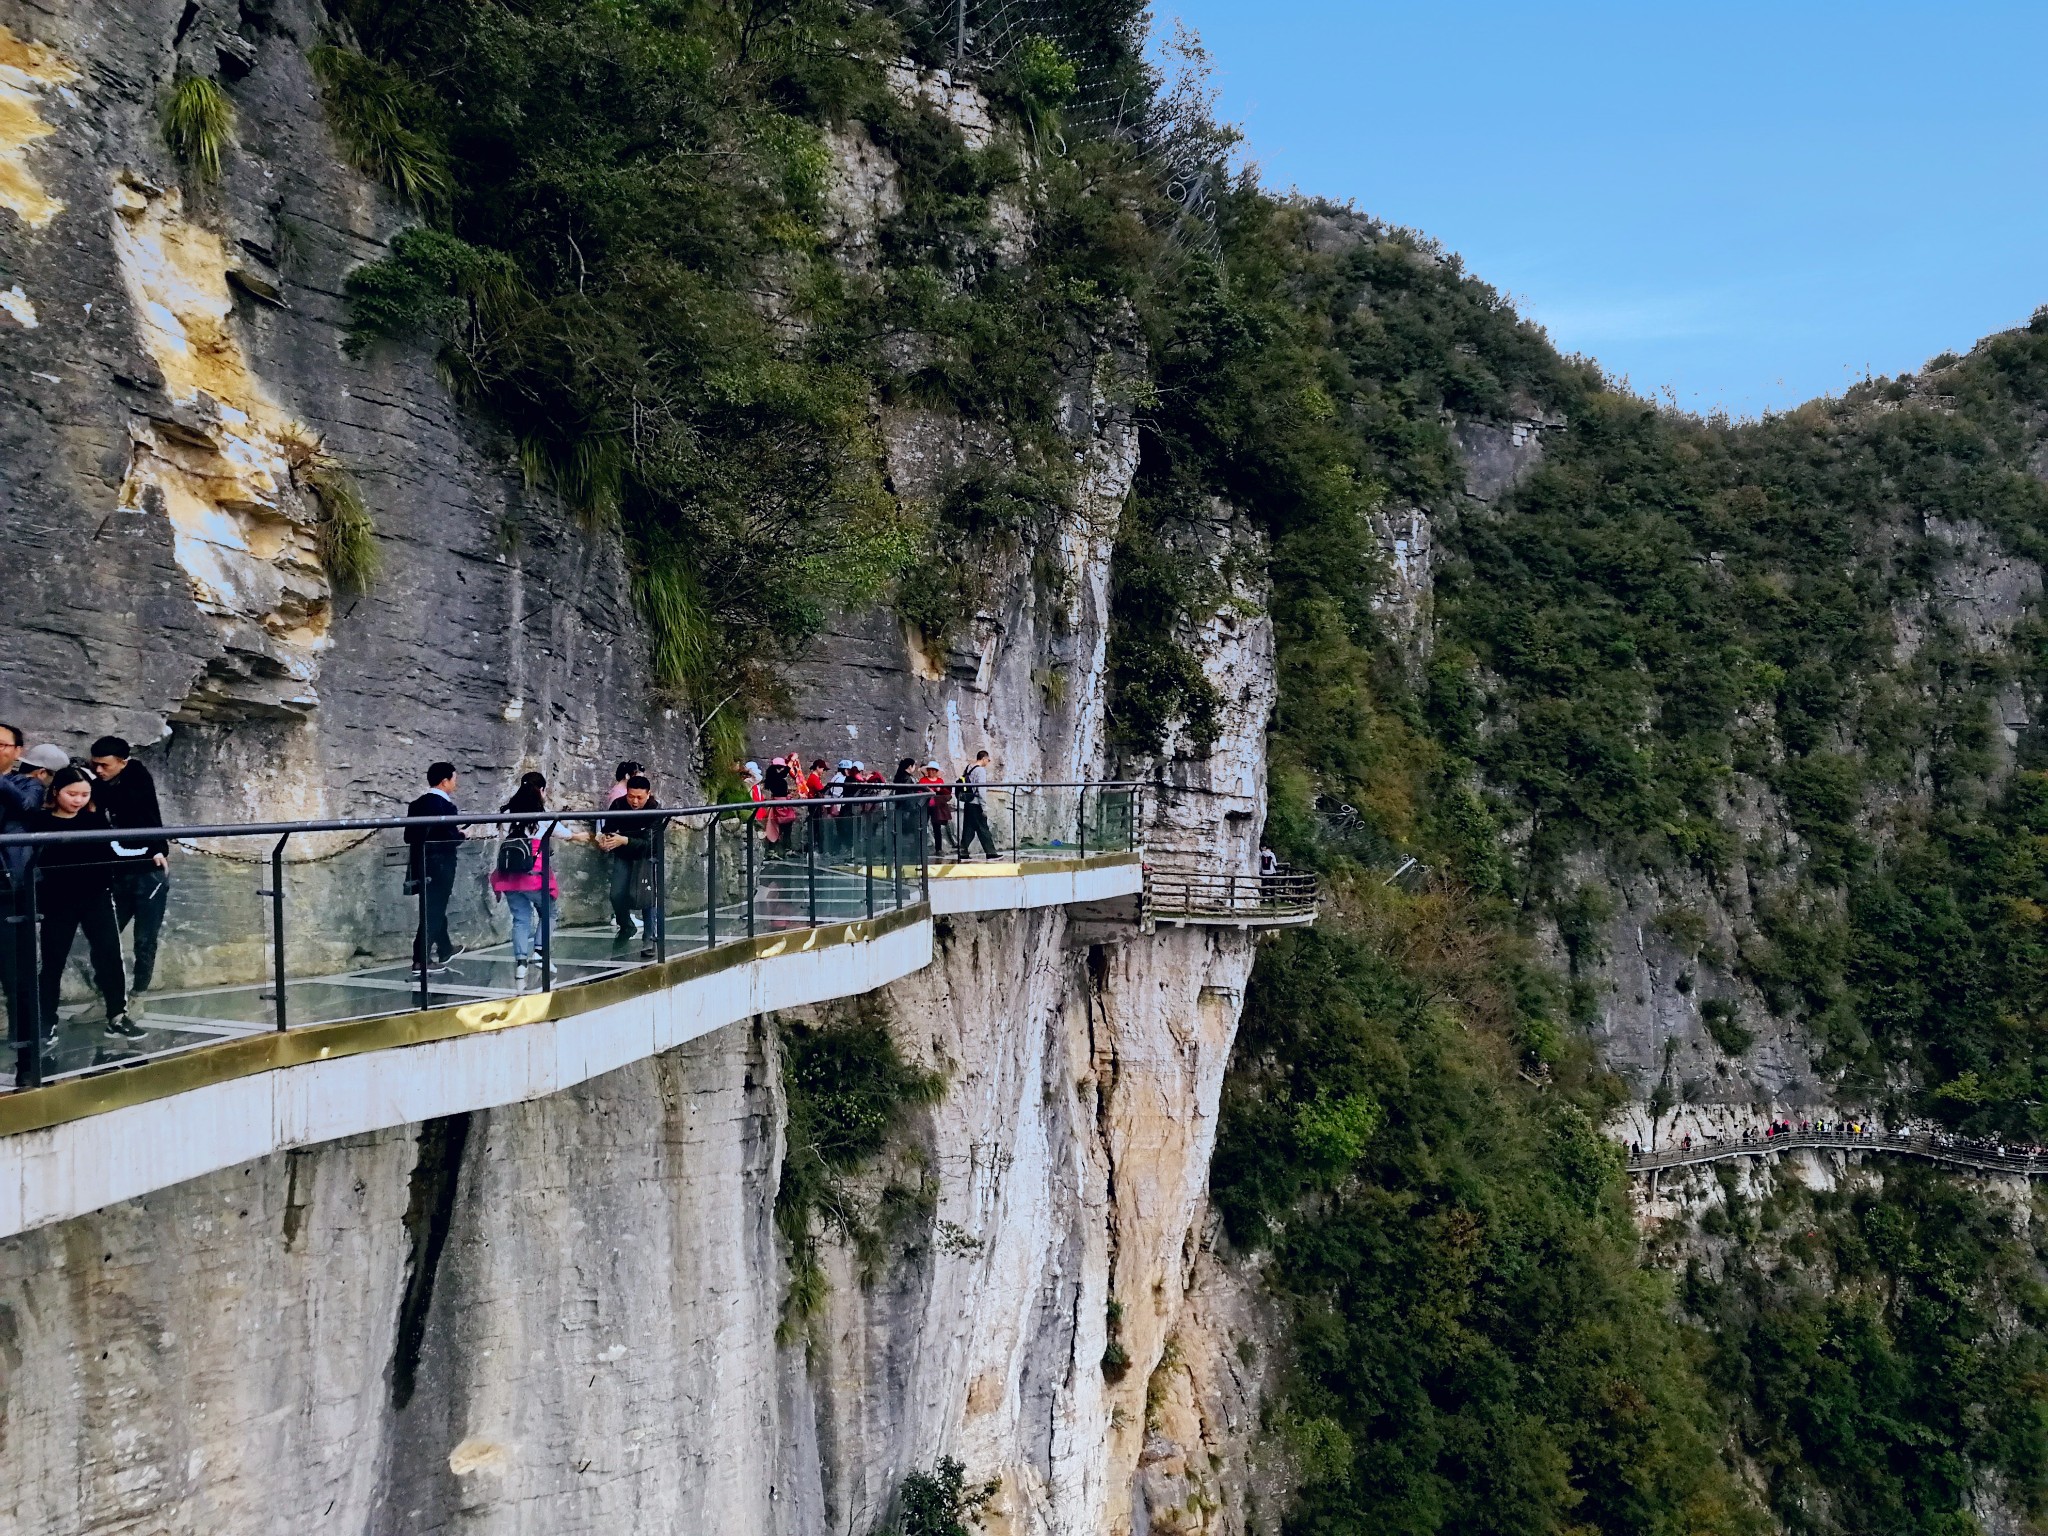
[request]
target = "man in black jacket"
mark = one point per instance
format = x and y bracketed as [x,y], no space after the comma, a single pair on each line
[23,779]
[142,882]
[431,866]
[631,845]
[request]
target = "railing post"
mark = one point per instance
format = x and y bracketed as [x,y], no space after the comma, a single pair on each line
[811,871]
[277,930]
[1084,821]
[659,911]
[927,834]
[752,828]
[425,943]
[28,985]
[1016,842]
[711,886]
[547,909]
[896,847]
[867,859]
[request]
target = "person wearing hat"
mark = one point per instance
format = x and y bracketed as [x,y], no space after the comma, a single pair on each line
[24,780]
[939,807]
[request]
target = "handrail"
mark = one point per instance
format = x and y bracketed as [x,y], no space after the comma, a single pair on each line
[1207,893]
[1938,1148]
[621,812]
[876,842]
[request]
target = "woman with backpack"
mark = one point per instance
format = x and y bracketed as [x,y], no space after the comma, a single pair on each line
[517,876]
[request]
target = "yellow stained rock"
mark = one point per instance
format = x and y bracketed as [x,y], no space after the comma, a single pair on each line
[26,71]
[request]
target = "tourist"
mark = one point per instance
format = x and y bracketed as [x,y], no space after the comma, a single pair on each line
[938,806]
[973,812]
[620,775]
[74,887]
[430,869]
[517,877]
[775,787]
[142,883]
[838,828]
[630,842]
[24,778]
[909,819]
[814,813]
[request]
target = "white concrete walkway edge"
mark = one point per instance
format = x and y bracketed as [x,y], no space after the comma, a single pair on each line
[64,1170]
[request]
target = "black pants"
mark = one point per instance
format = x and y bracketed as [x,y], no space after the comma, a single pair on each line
[17,943]
[62,920]
[942,828]
[973,824]
[631,889]
[440,885]
[141,892]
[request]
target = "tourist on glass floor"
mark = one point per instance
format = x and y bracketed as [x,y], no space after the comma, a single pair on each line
[24,776]
[430,868]
[938,806]
[74,892]
[516,877]
[142,882]
[631,845]
[974,811]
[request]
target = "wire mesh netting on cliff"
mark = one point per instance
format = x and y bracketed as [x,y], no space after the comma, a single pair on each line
[1161,112]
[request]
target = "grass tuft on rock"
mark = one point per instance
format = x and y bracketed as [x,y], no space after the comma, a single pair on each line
[347,531]
[197,119]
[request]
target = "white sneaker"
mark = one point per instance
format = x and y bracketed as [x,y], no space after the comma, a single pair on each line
[519,974]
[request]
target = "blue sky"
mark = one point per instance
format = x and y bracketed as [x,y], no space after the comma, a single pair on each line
[1750,204]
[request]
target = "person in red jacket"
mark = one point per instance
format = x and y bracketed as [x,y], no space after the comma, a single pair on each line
[939,807]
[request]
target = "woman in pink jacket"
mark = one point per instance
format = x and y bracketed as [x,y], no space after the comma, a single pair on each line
[517,877]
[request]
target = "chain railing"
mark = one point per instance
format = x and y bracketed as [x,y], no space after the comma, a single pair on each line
[1939,1146]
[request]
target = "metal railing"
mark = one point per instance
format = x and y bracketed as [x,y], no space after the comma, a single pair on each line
[1287,894]
[1939,1146]
[1032,821]
[273,925]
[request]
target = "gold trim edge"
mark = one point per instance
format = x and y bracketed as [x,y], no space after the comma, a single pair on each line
[205,1066]
[995,869]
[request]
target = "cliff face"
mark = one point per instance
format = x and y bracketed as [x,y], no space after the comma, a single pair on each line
[564,1315]
[175,382]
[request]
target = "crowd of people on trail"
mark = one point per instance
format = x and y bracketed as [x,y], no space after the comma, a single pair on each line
[100,889]
[95,889]
[838,793]
[799,808]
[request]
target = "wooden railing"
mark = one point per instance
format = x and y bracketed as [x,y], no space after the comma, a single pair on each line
[1282,899]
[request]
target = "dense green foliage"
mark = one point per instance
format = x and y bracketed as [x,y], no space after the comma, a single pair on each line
[1475,1346]
[940,1502]
[849,1092]
[1879,1352]
[628,263]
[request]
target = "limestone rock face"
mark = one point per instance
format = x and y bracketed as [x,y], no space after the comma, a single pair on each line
[565,1315]
[172,365]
